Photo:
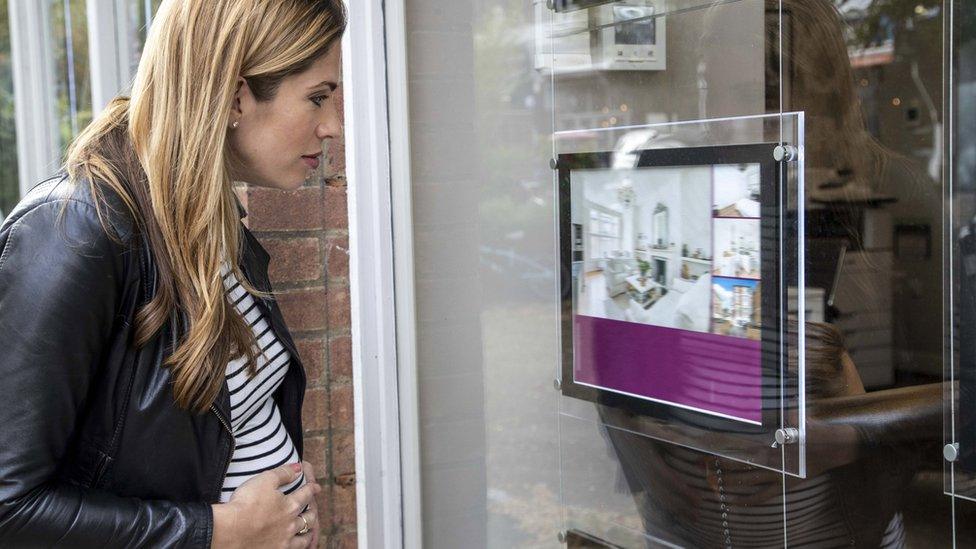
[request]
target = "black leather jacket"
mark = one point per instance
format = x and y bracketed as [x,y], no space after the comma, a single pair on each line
[93,450]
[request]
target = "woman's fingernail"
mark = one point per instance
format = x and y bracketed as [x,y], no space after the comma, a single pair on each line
[297,467]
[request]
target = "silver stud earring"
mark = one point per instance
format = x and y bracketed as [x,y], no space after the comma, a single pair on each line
[235,124]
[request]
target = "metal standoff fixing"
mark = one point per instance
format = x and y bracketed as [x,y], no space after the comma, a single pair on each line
[784,153]
[951,452]
[557,384]
[553,163]
[788,435]
[561,536]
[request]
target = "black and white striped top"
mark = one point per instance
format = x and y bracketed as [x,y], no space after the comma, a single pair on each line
[261,441]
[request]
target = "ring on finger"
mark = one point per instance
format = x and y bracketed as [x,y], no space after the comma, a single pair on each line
[304,529]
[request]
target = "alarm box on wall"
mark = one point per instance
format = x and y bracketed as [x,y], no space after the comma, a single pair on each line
[628,35]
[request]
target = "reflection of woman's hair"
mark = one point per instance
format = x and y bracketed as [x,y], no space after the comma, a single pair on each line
[820,81]
[824,360]
[165,153]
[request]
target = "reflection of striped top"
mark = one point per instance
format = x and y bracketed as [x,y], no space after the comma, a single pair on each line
[693,499]
[261,441]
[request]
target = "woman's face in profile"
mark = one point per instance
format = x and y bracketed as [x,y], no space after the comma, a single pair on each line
[278,142]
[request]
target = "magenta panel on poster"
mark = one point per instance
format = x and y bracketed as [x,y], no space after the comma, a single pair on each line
[712,373]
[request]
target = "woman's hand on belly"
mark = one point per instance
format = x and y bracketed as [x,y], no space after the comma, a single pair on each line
[259,515]
[312,514]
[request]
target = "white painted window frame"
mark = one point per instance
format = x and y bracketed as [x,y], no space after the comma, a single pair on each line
[35,116]
[403,250]
[377,167]
[109,45]
[38,146]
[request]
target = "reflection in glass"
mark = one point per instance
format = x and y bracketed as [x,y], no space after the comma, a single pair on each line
[634,32]
[138,17]
[869,170]
[9,185]
[69,36]
[868,76]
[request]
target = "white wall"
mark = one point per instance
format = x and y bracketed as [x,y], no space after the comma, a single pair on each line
[696,209]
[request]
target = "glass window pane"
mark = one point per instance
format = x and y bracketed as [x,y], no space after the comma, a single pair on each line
[9,186]
[72,77]
[139,15]
[870,78]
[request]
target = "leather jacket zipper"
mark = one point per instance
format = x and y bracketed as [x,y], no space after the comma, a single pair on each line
[233,443]
[216,413]
[100,471]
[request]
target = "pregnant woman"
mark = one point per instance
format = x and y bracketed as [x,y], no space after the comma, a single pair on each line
[150,393]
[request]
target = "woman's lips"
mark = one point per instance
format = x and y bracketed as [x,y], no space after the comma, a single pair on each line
[311,161]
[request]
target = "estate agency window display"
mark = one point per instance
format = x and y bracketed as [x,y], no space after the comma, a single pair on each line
[682,261]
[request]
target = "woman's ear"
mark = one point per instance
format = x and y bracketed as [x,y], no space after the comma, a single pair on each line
[241,101]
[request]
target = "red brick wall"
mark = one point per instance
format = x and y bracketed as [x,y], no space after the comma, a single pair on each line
[306,232]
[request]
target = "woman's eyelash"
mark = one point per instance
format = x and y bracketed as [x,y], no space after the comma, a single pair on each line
[318,99]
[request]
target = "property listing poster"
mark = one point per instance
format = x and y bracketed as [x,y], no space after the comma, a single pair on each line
[668,304]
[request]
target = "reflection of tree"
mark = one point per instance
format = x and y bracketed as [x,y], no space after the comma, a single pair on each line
[9,189]
[513,133]
[71,68]
[78,63]
[888,18]
[77,66]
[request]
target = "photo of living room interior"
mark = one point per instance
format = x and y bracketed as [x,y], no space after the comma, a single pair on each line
[676,247]
[647,246]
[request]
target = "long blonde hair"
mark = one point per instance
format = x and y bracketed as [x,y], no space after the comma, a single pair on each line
[165,152]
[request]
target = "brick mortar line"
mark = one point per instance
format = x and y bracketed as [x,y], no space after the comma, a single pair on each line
[322,333]
[330,440]
[273,233]
[311,284]
[276,234]
[330,444]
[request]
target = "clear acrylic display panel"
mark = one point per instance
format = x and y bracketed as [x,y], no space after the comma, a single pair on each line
[786,398]
[701,99]
[959,393]
[705,97]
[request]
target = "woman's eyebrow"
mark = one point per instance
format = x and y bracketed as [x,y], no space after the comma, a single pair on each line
[332,85]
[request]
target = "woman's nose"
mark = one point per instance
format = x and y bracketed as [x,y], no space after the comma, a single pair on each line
[330,127]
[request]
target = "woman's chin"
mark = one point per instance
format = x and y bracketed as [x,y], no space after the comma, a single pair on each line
[290,184]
